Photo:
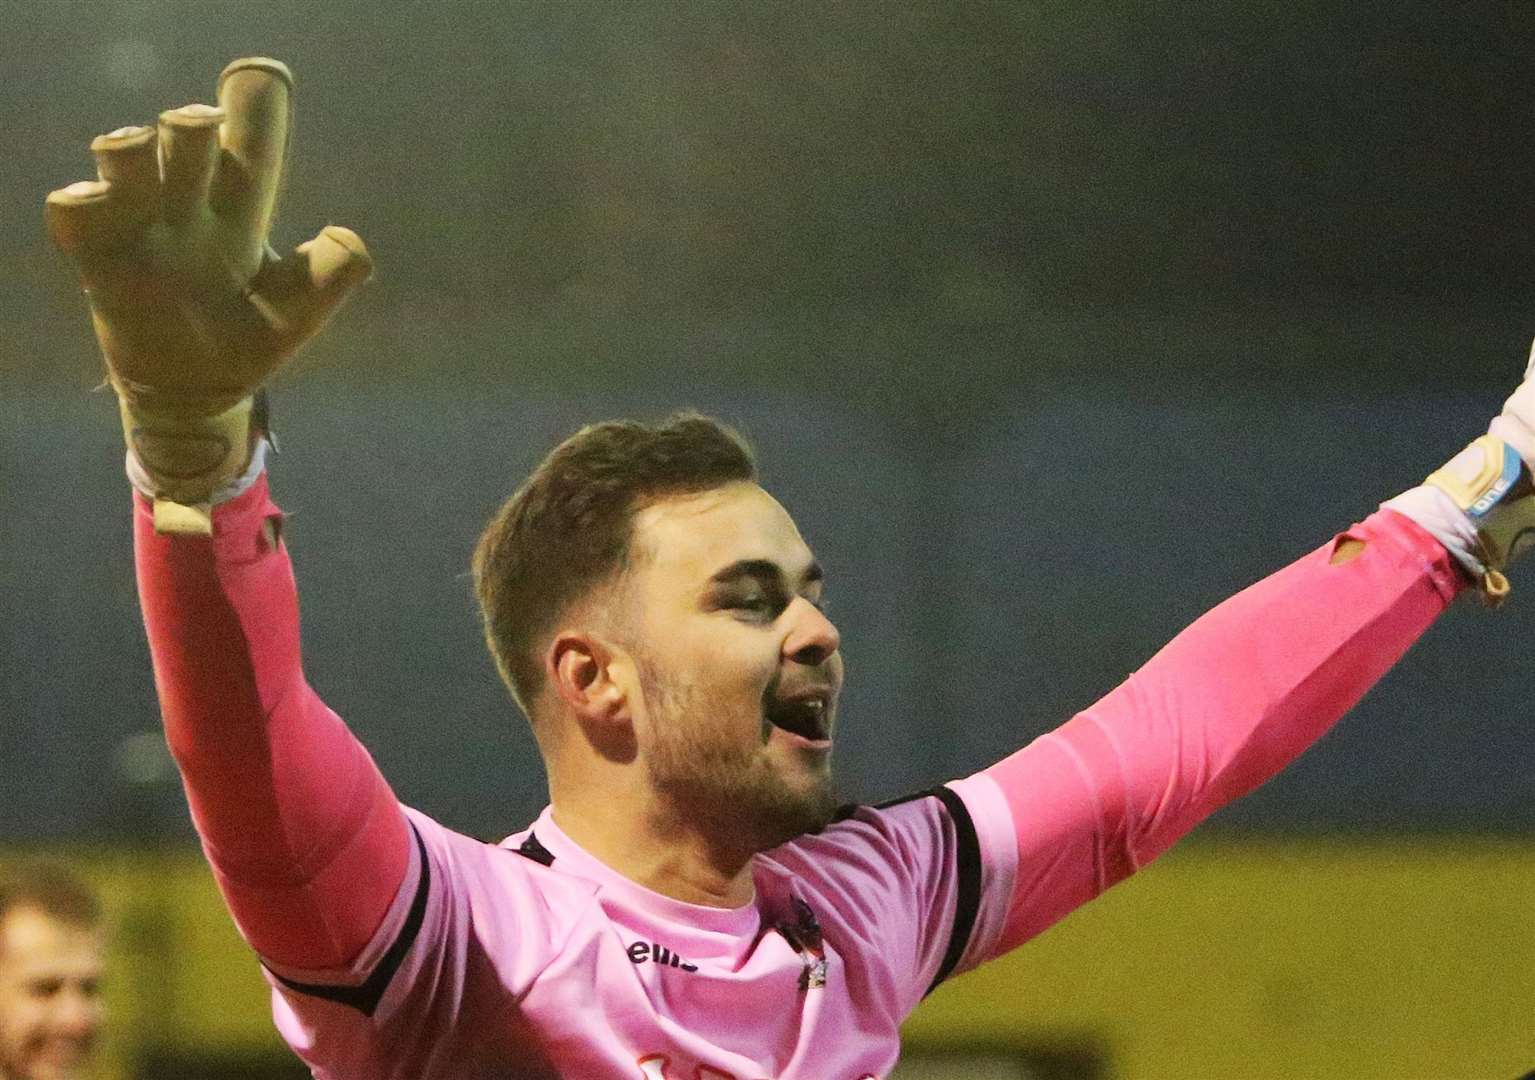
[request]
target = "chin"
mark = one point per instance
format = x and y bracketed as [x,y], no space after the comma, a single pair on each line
[753,817]
[745,802]
[796,812]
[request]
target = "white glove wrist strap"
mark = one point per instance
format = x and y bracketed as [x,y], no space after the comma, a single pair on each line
[177,517]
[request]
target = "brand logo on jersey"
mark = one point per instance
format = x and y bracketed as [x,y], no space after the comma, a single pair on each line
[642,951]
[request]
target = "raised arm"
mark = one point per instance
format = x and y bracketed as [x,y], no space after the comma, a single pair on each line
[194,311]
[1243,691]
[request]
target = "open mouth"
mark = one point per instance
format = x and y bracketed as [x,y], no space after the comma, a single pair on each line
[806,717]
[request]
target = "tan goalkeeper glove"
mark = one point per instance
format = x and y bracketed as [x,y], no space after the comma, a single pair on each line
[192,307]
[1481,504]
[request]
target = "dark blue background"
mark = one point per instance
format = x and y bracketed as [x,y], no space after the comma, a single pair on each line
[1053,325]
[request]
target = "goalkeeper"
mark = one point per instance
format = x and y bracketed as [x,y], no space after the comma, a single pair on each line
[693,903]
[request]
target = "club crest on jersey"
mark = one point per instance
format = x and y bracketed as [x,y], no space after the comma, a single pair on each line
[803,933]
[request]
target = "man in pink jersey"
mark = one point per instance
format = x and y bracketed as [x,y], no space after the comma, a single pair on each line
[692,905]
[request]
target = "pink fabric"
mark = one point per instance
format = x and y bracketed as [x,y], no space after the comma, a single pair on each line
[305,838]
[571,970]
[397,948]
[1224,706]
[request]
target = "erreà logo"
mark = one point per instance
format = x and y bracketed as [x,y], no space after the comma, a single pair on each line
[641,951]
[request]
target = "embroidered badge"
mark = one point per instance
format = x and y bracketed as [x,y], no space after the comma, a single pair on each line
[804,935]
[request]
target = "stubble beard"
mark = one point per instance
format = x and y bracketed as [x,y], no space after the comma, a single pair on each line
[729,789]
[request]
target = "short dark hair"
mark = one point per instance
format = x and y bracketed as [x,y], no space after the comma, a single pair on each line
[51,889]
[568,527]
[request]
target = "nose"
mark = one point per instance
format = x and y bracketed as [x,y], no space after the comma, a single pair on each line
[813,639]
[77,1012]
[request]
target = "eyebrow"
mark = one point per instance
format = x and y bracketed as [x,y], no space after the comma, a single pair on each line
[765,570]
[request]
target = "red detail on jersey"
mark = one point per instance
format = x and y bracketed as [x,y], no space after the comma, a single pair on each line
[653,1067]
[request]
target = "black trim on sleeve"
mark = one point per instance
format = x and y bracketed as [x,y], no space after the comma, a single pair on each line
[533,849]
[967,866]
[848,810]
[899,799]
[845,811]
[366,996]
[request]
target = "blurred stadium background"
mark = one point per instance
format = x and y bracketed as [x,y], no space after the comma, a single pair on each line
[1053,324]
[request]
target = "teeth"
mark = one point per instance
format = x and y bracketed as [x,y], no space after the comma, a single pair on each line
[805,717]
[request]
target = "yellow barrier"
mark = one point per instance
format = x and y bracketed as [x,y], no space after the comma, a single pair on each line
[1389,959]
[1405,959]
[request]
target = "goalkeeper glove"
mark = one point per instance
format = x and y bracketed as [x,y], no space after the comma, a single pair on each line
[1481,504]
[192,308]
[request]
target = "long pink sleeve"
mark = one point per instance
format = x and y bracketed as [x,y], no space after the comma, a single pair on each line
[1227,704]
[305,837]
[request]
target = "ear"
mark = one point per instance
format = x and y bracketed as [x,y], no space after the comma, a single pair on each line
[580,668]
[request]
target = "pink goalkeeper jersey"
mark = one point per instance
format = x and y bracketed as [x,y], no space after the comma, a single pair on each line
[541,961]
[399,950]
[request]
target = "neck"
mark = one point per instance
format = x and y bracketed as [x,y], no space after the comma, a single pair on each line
[655,847]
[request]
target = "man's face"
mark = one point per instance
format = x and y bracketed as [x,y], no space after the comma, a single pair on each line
[50,1008]
[738,667]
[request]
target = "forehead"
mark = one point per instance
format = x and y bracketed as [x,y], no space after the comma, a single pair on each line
[34,943]
[692,535]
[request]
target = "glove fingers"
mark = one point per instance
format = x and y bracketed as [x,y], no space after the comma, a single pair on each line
[302,291]
[127,159]
[79,216]
[256,95]
[189,150]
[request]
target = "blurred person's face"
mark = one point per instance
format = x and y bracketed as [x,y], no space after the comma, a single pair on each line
[50,1005]
[738,668]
